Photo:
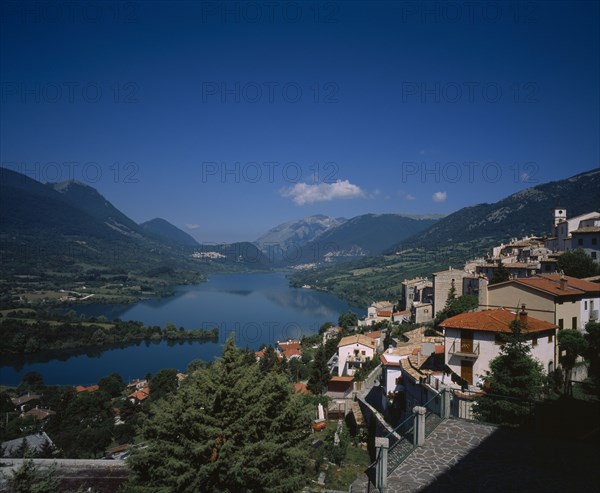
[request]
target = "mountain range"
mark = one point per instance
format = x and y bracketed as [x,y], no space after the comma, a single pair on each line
[467,233]
[70,227]
[321,238]
[165,231]
[528,212]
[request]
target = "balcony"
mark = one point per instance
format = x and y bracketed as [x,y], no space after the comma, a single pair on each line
[464,350]
[357,358]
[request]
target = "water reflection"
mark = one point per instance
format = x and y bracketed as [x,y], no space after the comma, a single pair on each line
[256,308]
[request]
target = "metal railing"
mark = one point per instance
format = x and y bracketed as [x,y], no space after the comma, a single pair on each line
[474,349]
[433,416]
[401,441]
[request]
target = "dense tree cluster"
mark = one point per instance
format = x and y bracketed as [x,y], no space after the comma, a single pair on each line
[18,335]
[228,428]
[577,263]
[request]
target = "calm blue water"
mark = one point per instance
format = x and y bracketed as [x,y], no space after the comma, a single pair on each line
[256,308]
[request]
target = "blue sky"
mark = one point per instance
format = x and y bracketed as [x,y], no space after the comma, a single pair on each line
[227,118]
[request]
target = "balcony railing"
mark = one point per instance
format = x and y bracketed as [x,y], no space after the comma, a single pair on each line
[357,358]
[464,350]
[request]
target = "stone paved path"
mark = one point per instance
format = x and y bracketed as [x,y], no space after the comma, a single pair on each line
[465,456]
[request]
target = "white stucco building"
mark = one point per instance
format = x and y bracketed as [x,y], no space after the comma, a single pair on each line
[472,340]
[353,352]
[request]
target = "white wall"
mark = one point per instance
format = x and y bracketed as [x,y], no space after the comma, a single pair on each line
[586,306]
[345,351]
[391,374]
[488,350]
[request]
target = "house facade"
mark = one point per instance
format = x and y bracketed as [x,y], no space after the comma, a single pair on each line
[442,282]
[473,339]
[417,289]
[565,301]
[353,352]
[562,239]
[587,237]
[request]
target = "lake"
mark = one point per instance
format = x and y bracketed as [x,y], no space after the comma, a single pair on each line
[256,308]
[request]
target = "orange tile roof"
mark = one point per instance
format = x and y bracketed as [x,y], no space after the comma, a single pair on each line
[341,379]
[573,281]
[290,349]
[301,388]
[376,334]
[357,339]
[91,388]
[494,321]
[384,313]
[550,283]
[141,394]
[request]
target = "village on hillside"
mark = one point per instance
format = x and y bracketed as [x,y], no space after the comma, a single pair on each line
[389,380]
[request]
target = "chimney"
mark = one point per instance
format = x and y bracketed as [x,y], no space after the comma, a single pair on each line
[563,281]
[523,316]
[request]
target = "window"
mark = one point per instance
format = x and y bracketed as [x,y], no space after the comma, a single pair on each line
[363,353]
[534,341]
[499,338]
[574,323]
[580,241]
[594,255]
[594,241]
[585,305]
[550,337]
[561,323]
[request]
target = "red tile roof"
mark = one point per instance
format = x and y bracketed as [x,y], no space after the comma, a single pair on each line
[376,334]
[550,283]
[384,313]
[494,321]
[141,394]
[290,349]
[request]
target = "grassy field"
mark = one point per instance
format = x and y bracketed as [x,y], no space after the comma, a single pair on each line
[340,478]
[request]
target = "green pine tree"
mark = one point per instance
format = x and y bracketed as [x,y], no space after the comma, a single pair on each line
[230,428]
[27,479]
[514,383]
[269,361]
[319,372]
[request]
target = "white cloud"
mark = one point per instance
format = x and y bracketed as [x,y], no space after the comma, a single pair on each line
[303,193]
[375,193]
[192,226]
[439,197]
[405,195]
